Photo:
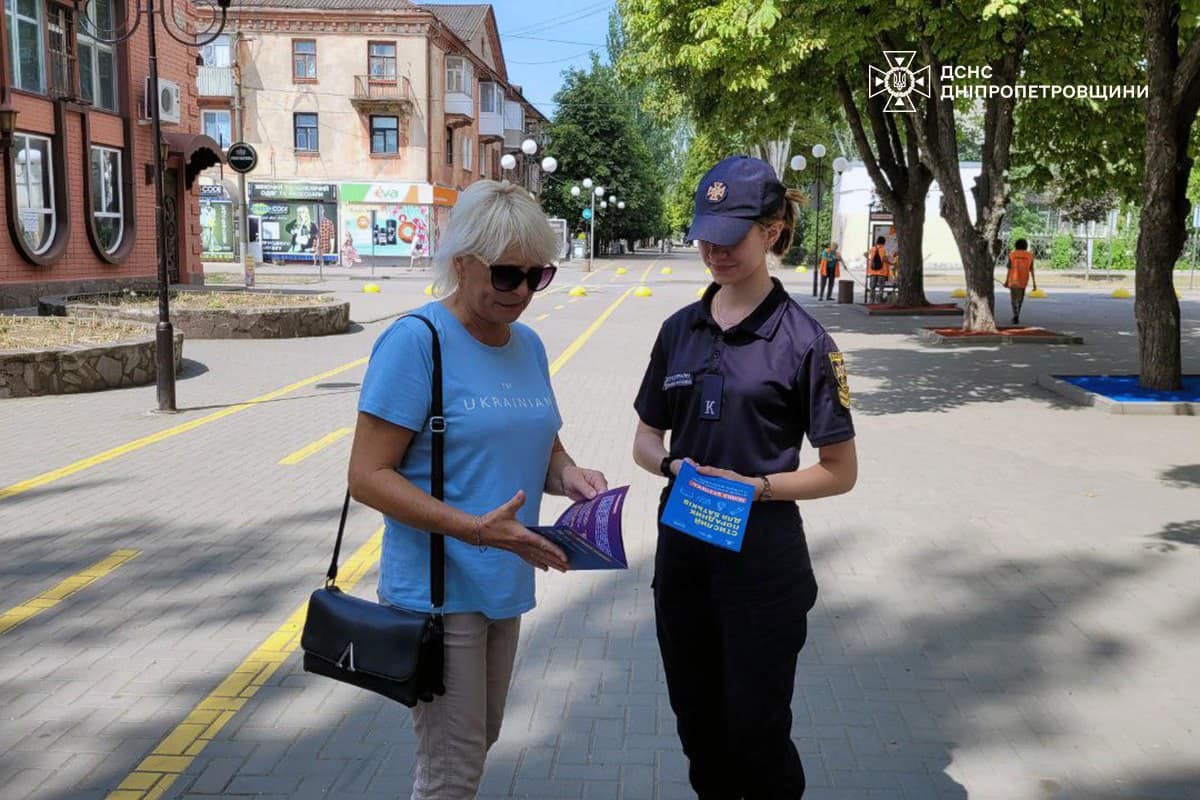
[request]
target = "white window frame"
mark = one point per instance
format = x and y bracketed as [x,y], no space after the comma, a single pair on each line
[21,145]
[487,97]
[482,158]
[468,150]
[217,112]
[218,52]
[460,76]
[94,49]
[119,186]
[14,16]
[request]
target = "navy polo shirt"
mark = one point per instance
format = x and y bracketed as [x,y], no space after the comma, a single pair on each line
[782,378]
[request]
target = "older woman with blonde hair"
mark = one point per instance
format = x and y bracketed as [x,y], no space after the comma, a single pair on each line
[502,454]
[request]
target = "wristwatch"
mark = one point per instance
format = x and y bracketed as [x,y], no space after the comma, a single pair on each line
[767,494]
[665,467]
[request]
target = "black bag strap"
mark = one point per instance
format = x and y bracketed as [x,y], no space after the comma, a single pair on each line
[437,487]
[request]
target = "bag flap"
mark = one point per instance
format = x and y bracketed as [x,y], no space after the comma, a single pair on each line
[362,636]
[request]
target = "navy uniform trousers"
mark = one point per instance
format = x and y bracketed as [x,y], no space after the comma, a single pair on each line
[730,627]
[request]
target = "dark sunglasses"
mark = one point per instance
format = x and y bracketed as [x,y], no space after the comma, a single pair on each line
[507,277]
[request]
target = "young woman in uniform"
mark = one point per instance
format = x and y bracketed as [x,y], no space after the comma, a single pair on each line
[739,379]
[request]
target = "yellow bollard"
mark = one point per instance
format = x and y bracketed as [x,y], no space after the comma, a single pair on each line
[621,270]
[1121,293]
[578,291]
[1038,293]
[708,272]
[642,291]
[959,293]
[700,291]
[429,290]
[371,288]
[667,270]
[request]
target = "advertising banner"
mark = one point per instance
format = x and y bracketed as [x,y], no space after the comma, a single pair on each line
[297,218]
[218,225]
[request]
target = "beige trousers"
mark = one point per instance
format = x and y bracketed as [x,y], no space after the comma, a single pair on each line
[456,730]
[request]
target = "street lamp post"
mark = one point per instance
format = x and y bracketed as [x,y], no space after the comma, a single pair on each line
[218,9]
[818,152]
[529,148]
[839,166]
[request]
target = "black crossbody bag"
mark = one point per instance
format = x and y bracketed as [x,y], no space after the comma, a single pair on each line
[393,652]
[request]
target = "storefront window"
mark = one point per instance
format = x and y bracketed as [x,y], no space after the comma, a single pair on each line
[35,190]
[25,48]
[107,208]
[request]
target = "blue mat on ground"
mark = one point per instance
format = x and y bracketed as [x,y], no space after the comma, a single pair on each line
[1125,389]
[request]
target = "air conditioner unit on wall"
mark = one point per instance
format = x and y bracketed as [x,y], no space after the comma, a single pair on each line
[169,101]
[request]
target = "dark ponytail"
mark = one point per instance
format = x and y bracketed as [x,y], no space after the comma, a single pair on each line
[786,214]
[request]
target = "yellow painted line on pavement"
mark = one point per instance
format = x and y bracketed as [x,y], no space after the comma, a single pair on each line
[55,595]
[154,438]
[174,754]
[315,447]
[542,317]
[158,770]
[574,346]
[559,307]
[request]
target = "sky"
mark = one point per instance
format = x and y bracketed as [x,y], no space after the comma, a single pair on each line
[540,40]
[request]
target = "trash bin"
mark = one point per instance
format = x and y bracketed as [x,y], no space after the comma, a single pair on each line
[846,292]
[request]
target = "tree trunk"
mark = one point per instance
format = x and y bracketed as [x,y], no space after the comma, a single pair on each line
[1170,113]
[910,236]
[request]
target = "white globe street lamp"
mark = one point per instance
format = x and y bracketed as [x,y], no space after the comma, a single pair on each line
[549,164]
[587,183]
[508,161]
[818,151]
[603,204]
[621,205]
[529,147]
[612,198]
[798,163]
[840,164]
[574,191]
[599,191]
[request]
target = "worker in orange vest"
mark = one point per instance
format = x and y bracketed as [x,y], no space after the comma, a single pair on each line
[831,261]
[1020,270]
[879,267]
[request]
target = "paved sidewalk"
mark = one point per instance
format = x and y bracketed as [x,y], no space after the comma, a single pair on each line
[1009,607]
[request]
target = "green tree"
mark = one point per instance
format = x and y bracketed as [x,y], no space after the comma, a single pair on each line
[595,134]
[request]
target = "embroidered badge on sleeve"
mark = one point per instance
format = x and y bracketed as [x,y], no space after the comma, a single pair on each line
[838,362]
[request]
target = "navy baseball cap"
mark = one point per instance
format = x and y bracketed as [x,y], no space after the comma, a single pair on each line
[731,196]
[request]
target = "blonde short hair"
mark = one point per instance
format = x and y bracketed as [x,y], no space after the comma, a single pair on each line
[490,217]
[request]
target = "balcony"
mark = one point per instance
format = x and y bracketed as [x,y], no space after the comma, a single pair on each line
[460,109]
[514,125]
[491,127]
[375,95]
[214,82]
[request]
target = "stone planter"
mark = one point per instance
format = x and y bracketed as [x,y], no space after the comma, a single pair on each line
[268,322]
[82,368]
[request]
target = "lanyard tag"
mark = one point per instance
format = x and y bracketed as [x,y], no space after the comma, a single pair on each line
[711,390]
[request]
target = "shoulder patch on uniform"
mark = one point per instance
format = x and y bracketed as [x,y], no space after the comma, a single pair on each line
[838,362]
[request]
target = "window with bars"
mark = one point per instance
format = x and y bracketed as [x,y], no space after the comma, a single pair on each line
[305,127]
[304,60]
[385,135]
[381,61]
[60,38]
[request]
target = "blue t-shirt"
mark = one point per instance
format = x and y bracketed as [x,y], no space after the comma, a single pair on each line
[501,420]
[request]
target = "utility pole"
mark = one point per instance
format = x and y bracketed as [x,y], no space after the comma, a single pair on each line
[239,109]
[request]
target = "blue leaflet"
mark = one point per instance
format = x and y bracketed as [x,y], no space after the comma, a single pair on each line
[713,510]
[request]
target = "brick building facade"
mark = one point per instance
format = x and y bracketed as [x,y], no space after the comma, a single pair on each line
[78,199]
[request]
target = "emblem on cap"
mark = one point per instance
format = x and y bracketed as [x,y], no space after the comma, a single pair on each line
[716,192]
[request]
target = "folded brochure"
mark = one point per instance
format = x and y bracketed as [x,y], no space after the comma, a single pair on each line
[711,509]
[589,532]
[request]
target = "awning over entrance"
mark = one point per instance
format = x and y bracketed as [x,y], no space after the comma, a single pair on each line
[199,152]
